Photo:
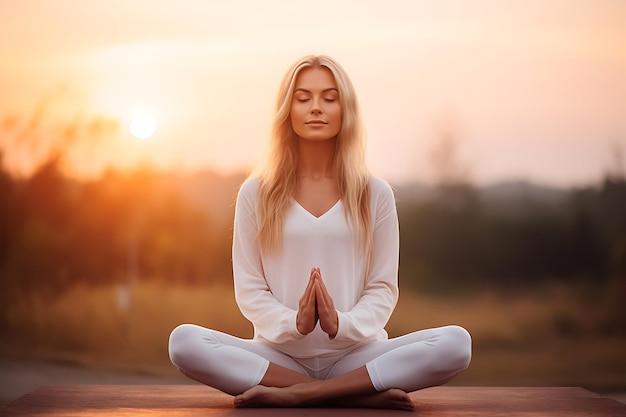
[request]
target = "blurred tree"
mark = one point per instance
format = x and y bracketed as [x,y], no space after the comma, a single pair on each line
[7,214]
[59,126]
[447,166]
[44,204]
[458,240]
[617,165]
[68,232]
[57,231]
[613,220]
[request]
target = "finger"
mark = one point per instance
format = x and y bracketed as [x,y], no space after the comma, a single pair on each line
[320,297]
[313,302]
[320,278]
[323,288]
[309,286]
[311,281]
[306,304]
[323,299]
[309,293]
[327,315]
[315,273]
[307,315]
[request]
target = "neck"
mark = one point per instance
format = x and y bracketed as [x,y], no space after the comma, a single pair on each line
[316,159]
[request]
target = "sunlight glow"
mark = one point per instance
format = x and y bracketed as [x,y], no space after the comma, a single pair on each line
[142,126]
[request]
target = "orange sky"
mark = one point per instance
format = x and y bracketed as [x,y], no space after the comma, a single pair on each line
[535,89]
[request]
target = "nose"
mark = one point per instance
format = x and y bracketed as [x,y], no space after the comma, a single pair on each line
[315,106]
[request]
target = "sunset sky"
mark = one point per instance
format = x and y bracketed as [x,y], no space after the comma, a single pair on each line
[531,89]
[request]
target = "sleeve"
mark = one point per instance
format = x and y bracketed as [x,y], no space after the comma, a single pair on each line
[271,319]
[380,293]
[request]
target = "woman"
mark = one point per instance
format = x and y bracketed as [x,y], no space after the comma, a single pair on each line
[315,262]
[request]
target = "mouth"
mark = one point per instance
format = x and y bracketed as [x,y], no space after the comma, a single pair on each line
[316,122]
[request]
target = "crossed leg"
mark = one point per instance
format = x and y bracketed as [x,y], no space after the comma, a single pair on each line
[376,375]
[353,389]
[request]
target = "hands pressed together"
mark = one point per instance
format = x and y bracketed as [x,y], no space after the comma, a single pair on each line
[315,305]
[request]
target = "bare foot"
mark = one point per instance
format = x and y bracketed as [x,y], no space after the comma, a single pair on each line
[395,399]
[262,396]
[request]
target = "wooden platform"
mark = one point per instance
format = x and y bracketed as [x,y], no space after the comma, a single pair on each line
[198,400]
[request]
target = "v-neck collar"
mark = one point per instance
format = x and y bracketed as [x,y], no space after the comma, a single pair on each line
[321,216]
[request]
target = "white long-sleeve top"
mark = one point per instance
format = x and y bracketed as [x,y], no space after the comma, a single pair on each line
[268,287]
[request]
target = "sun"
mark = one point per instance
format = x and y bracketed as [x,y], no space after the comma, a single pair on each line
[142,126]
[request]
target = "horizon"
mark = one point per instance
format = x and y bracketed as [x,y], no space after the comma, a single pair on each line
[206,171]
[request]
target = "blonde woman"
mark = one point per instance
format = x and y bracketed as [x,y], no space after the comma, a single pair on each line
[315,262]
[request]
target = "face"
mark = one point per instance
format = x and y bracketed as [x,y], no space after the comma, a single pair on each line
[315,108]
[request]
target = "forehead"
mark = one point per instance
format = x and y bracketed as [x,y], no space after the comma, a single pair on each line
[315,78]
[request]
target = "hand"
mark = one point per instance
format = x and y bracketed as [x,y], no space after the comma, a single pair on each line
[307,316]
[329,321]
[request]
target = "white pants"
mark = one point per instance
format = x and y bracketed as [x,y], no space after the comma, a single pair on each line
[414,361]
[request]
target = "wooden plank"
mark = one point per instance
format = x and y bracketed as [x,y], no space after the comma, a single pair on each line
[199,400]
[515,401]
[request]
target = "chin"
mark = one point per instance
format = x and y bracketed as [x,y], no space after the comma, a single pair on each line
[320,138]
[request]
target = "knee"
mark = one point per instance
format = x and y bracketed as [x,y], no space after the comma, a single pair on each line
[458,343]
[180,342]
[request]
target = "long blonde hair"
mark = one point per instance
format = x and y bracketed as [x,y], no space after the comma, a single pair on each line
[278,175]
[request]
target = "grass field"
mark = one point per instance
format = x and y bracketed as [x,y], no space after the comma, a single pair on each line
[552,335]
